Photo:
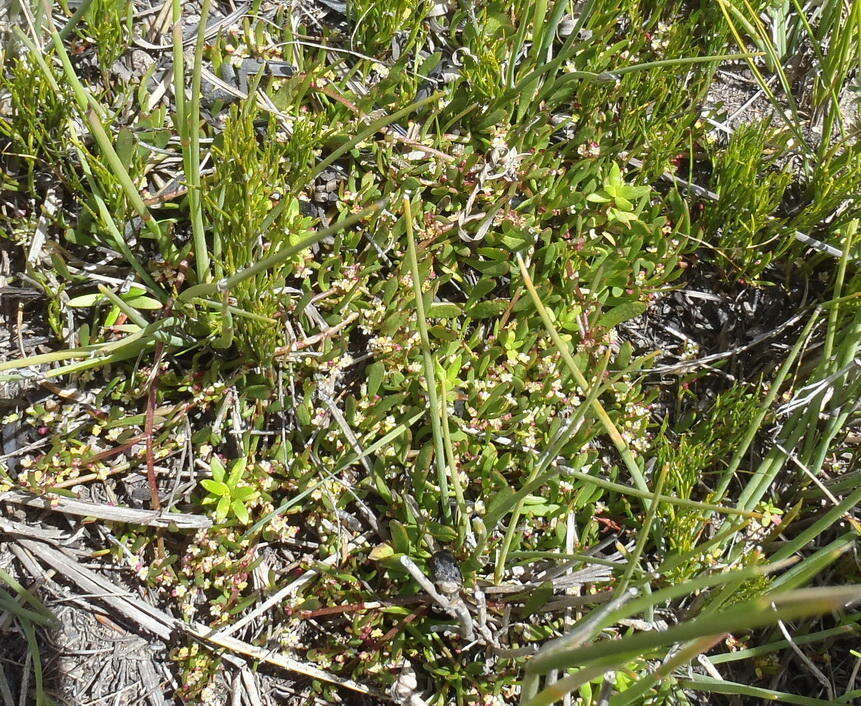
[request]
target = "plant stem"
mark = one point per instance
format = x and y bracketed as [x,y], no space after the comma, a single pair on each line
[192,123]
[208,289]
[597,407]
[430,376]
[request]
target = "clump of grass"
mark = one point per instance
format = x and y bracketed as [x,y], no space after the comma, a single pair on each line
[824,60]
[107,26]
[750,188]
[36,126]
[693,452]
[247,186]
[374,26]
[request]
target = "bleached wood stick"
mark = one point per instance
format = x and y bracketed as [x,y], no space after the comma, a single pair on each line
[111,513]
[164,626]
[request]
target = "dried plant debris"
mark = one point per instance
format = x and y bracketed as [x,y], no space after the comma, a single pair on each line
[429,353]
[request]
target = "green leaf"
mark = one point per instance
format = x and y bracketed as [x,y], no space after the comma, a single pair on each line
[216,468]
[621,216]
[240,511]
[144,303]
[442,533]
[444,310]
[257,392]
[112,316]
[635,192]
[482,287]
[380,552]
[400,537]
[223,507]
[597,197]
[375,372]
[615,176]
[499,505]
[487,309]
[621,313]
[243,493]
[136,301]
[215,487]
[236,471]
[441,333]
[85,300]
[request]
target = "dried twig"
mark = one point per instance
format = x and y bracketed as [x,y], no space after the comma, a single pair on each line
[142,614]
[686,366]
[278,597]
[276,658]
[111,513]
[454,608]
[316,338]
[164,626]
[814,670]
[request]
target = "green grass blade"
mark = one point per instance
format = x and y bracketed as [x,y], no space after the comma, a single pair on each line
[119,239]
[557,691]
[76,17]
[808,569]
[28,596]
[598,408]
[93,114]
[429,366]
[644,531]
[191,156]
[747,616]
[755,424]
[464,530]
[546,459]
[373,127]
[36,661]
[123,306]
[635,692]
[648,495]
[829,518]
[717,686]
[849,626]
[209,289]
[10,605]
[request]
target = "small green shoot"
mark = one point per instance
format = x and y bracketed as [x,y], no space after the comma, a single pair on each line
[227,491]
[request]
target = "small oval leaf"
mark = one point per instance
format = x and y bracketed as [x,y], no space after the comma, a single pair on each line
[620,313]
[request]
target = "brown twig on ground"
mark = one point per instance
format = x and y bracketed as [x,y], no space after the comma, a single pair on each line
[166,196]
[101,475]
[149,424]
[390,635]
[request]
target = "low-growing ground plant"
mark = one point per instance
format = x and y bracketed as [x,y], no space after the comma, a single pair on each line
[488,374]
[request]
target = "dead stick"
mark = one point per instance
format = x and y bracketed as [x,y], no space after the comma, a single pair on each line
[318,337]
